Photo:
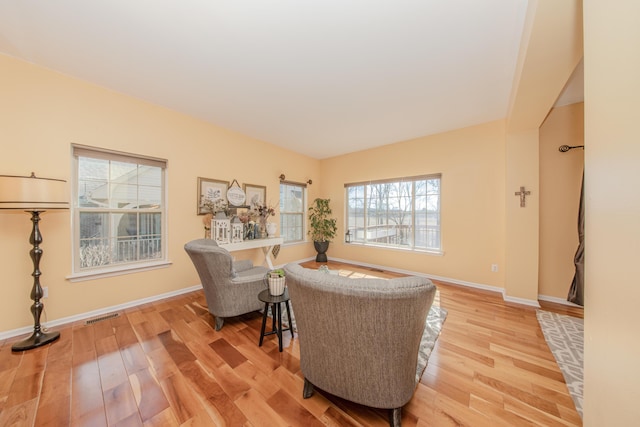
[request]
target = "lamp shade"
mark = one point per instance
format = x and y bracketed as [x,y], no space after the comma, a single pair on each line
[31,193]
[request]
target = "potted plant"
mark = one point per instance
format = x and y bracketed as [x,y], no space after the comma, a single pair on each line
[276,281]
[322,228]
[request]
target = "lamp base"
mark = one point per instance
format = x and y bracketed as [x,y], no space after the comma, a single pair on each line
[36,339]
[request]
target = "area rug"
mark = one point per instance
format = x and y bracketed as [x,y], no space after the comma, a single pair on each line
[432,329]
[565,337]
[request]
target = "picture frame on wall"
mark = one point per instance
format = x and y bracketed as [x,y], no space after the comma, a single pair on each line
[255,194]
[211,189]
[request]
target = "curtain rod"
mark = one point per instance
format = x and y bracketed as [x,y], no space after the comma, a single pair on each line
[565,148]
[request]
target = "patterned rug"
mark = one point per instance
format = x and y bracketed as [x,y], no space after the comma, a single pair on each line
[432,329]
[565,337]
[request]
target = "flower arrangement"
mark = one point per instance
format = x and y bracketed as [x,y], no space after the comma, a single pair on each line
[263,212]
[214,206]
[244,217]
[206,220]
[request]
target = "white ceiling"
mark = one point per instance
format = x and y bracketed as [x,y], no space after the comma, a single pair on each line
[322,77]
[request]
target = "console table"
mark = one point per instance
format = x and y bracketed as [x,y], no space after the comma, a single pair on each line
[265,244]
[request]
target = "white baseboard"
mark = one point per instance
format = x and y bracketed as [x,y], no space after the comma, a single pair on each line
[105,310]
[523,301]
[557,300]
[533,303]
[98,312]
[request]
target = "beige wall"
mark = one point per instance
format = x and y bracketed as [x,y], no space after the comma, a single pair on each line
[522,223]
[612,245]
[560,182]
[550,49]
[471,162]
[42,113]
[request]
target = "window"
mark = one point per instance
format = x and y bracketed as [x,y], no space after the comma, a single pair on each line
[292,210]
[402,213]
[118,211]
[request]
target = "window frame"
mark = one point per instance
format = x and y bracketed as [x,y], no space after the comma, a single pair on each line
[284,214]
[86,273]
[411,214]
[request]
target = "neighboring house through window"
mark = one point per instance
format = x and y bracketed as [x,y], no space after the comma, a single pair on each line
[292,209]
[401,213]
[119,211]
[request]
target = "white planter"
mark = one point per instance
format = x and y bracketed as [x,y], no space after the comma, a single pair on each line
[276,285]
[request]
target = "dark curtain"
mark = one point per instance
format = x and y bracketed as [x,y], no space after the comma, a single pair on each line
[576,292]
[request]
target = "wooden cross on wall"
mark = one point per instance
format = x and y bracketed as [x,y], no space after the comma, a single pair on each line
[523,194]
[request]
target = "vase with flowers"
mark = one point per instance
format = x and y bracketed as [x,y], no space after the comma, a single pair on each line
[263,212]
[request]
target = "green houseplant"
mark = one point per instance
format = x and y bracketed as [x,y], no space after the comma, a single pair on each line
[322,227]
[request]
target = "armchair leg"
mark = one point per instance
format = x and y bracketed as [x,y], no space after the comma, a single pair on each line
[307,391]
[395,417]
[219,323]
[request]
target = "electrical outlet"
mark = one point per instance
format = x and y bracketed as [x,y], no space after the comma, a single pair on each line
[494,268]
[45,292]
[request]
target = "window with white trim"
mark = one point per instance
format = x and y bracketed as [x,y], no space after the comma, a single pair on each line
[400,213]
[292,209]
[119,210]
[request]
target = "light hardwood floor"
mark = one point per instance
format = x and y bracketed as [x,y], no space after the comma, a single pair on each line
[163,364]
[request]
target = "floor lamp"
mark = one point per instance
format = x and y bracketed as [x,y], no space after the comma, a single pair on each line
[34,195]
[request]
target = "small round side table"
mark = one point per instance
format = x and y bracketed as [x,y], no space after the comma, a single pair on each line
[276,315]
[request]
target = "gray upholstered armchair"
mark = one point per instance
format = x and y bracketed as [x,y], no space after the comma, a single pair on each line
[359,338]
[231,287]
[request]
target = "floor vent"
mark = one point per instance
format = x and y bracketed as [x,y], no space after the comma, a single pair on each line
[101,318]
[376,270]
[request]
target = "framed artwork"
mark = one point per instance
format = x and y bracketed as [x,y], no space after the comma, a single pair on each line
[211,189]
[256,194]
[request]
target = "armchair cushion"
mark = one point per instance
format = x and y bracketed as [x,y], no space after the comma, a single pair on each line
[251,274]
[241,265]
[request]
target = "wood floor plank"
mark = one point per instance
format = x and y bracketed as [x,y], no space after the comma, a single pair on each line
[87,404]
[148,394]
[334,417]
[6,381]
[256,379]
[228,353]
[292,412]
[178,351]
[498,414]
[112,370]
[540,418]
[231,383]
[147,336]
[54,414]
[125,335]
[258,411]
[181,397]
[22,414]
[120,404]
[24,388]
[83,339]
[164,364]
[134,358]
[293,385]
[165,418]
[523,396]
[55,395]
